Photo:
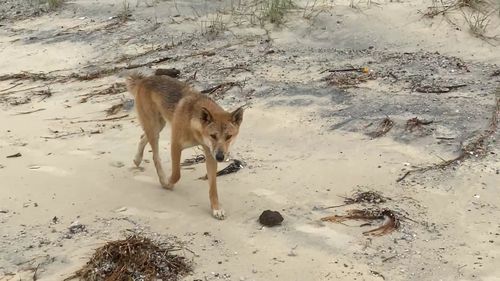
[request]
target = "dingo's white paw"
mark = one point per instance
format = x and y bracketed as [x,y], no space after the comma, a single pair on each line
[219,214]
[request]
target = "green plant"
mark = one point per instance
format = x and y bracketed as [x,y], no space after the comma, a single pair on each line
[53,4]
[275,10]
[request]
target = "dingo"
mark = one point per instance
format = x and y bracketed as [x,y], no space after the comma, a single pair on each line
[195,120]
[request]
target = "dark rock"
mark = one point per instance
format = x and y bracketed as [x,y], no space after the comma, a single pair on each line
[270,218]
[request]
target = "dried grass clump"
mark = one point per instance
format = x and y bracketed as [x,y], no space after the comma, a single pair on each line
[134,258]
[391,219]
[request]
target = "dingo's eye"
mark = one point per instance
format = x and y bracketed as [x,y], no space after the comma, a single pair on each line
[213,136]
[228,137]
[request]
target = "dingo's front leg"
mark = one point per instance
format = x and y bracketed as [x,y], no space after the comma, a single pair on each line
[176,151]
[217,212]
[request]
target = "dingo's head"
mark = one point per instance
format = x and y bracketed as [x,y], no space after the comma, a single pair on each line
[219,129]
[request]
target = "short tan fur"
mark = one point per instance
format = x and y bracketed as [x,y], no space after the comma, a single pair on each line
[195,119]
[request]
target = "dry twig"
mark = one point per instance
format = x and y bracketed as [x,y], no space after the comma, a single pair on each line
[382,129]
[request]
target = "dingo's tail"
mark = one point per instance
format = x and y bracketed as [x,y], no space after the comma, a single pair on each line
[132,82]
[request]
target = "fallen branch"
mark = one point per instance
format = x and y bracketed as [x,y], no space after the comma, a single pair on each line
[357,69]
[15,155]
[29,112]
[11,87]
[221,88]
[234,67]
[64,135]
[22,90]
[100,120]
[437,89]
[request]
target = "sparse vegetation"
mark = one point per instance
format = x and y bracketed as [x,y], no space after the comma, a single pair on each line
[314,7]
[52,4]
[214,26]
[260,12]
[55,4]
[476,14]
[275,10]
[125,13]
[478,22]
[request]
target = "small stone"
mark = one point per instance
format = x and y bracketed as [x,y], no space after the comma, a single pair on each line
[77,227]
[270,218]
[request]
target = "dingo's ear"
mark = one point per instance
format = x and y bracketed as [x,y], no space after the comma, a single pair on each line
[237,116]
[206,116]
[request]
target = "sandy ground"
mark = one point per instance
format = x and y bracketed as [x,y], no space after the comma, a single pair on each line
[303,140]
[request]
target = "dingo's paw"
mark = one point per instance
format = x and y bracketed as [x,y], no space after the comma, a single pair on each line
[169,186]
[219,214]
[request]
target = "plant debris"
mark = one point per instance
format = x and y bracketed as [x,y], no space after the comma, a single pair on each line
[114,89]
[101,120]
[134,258]
[270,218]
[195,160]
[234,167]
[415,123]
[436,89]
[475,148]
[25,75]
[350,69]
[15,155]
[30,111]
[220,89]
[371,197]
[347,78]
[114,109]
[382,129]
[391,219]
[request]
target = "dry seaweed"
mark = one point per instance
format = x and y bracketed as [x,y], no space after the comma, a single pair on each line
[382,129]
[391,219]
[134,258]
[195,160]
[415,123]
[234,167]
[475,148]
[371,197]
